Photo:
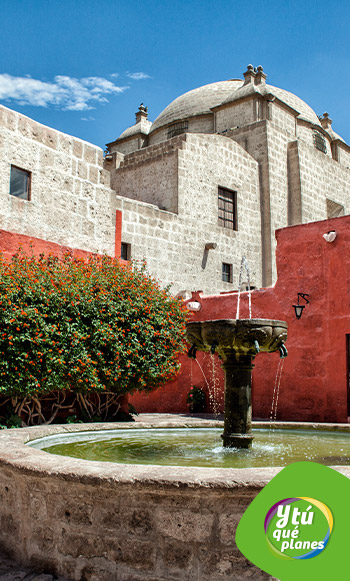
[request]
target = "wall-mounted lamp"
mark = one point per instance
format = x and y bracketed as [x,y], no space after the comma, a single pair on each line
[299,308]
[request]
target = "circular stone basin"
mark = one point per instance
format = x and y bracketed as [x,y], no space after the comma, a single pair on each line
[237,335]
[200,447]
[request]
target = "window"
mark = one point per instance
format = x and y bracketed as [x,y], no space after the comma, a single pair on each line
[20,183]
[177,129]
[320,142]
[226,272]
[227,208]
[125,253]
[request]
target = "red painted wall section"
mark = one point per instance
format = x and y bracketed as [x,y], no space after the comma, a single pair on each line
[118,233]
[11,242]
[314,381]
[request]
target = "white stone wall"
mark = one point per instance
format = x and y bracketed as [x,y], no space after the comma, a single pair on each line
[150,175]
[236,115]
[343,156]
[71,202]
[321,178]
[305,135]
[282,119]
[127,146]
[174,244]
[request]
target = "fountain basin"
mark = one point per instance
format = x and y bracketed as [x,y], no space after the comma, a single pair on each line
[98,520]
[238,335]
[197,447]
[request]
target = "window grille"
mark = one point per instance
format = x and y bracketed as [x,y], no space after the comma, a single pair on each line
[320,142]
[177,129]
[227,206]
[20,181]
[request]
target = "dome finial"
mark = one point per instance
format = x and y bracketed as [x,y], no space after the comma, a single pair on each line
[260,76]
[141,113]
[326,122]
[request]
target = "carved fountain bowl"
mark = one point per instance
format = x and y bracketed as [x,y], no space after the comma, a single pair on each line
[237,335]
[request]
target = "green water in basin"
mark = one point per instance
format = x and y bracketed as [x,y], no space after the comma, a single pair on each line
[200,447]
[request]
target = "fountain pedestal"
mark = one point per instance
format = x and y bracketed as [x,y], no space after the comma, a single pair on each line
[238,400]
[237,341]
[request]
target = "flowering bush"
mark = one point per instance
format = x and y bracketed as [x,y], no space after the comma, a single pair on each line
[84,325]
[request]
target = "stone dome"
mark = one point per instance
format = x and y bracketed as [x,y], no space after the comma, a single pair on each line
[196,102]
[202,100]
[304,110]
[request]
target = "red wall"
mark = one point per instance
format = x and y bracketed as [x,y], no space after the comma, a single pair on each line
[314,383]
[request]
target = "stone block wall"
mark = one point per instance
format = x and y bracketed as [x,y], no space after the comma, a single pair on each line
[127,146]
[174,243]
[305,136]
[71,202]
[343,156]
[321,178]
[95,521]
[282,119]
[239,115]
[206,162]
[150,175]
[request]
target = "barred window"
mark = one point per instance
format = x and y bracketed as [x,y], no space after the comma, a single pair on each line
[226,272]
[227,204]
[319,142]
[20,183]
[177,129]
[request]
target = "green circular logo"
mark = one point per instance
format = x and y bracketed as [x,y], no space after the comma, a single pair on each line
[298,528]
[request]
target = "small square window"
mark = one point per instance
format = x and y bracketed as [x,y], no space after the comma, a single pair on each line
[125,253]
[20,183]
[227,208]
[226,272]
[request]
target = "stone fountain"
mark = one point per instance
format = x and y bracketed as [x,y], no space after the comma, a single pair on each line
[237,342]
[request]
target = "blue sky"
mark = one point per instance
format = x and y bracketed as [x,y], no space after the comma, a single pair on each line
[84,67]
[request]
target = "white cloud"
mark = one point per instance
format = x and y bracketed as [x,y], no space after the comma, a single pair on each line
[64,92]
[137,76]
[87,118]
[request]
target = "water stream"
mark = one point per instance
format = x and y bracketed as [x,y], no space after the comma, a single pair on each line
[276,391]
[244,265]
